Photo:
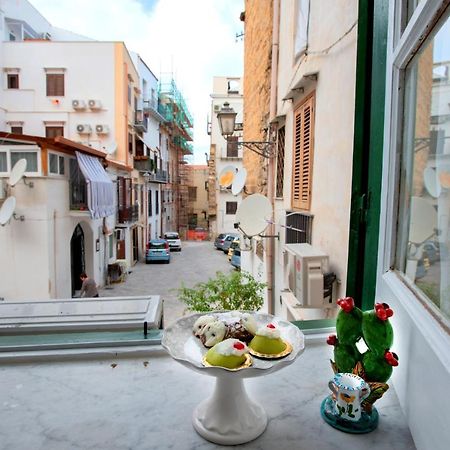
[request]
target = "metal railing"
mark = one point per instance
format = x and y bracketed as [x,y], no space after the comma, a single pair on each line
[78,195]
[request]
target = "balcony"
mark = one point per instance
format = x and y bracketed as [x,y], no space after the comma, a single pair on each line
[151,107]
[143,164]
[129,214]
[138,397]
[140,121]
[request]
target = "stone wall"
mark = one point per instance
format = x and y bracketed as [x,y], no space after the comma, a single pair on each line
[257,65]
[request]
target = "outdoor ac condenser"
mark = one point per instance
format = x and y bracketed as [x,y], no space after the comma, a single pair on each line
[306,267]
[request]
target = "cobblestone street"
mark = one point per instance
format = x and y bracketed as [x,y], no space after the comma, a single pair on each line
[198,261]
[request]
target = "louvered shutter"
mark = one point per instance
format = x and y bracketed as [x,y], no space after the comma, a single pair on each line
[303,154]
[55,84]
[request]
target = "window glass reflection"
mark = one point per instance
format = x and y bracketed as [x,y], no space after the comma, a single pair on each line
[424,238]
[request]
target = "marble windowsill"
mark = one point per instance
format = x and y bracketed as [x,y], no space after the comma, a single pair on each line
[146,401]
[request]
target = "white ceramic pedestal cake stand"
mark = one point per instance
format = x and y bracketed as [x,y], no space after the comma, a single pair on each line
[229,416]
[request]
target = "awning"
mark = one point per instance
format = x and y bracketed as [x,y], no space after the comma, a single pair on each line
[100,189]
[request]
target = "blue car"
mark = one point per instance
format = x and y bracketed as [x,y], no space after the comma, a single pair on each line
[158,250]
[236,259]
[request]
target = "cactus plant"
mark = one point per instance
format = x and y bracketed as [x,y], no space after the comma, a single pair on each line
[374,365]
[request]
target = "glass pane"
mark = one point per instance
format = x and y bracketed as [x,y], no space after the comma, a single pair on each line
[3,162]
[31,157]
[61,165]
[424,226]
[53,163]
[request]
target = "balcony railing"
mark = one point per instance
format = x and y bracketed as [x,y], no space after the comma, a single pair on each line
[129,214]
[140,121]
[144,164]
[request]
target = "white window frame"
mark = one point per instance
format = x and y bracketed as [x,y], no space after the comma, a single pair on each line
[23,148]
[391,283]
[59,155]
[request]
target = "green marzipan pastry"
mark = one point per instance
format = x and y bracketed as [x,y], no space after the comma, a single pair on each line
[227,361]
[263,344]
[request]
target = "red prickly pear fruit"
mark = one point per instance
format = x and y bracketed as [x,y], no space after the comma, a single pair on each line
[332,340]
[347,304]
[383,311]
[391,358]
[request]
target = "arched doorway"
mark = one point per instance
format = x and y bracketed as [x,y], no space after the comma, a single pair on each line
[77,260]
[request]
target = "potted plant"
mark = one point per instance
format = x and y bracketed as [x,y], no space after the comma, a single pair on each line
[236,291]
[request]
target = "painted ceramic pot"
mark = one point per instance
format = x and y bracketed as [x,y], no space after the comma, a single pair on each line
[348,393]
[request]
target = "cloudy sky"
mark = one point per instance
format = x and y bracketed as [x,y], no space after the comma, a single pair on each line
[195,40]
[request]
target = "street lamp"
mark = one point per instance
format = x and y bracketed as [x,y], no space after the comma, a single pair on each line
[227,122]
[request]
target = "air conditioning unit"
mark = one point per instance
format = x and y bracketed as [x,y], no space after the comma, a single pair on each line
[306,268]
[101,129]
[84,129]
[78,104]
[94,104]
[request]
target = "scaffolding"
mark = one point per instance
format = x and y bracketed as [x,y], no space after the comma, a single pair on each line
[179,122]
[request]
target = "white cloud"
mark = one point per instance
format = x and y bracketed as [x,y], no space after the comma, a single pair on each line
[193,39]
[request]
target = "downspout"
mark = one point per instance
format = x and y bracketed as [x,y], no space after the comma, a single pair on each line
[271,168]
[55,250]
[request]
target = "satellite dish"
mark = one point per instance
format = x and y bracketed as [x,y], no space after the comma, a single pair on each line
[432,185]
[226,176]
[111,148]
[423,220]
[17,171]
[7,210]
[239,182]
[253,214]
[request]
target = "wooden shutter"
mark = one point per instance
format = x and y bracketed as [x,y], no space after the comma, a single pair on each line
[303,154]
[55,84]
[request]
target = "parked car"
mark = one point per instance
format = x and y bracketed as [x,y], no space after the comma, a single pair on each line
[220,240]
[236,259]
[158,250]
[227,242]
[233,246]
[173,238]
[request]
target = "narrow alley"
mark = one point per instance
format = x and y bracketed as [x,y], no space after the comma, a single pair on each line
[198,261]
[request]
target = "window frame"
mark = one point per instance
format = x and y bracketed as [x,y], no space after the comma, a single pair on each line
[57,92]
[58,156]
[402,47]
[300,203]
[228,208]
[54,127]
[11,76]
[25,149]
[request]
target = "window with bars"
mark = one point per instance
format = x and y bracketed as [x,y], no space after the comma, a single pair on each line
[298,228]
[232,147]
[303,154]
[55,84]
[280,162]
[16,129]
[52,132]
[231,207]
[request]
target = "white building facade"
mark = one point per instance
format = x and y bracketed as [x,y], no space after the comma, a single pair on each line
[227,156]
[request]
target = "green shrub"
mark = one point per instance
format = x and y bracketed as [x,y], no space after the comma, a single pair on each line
[236,291]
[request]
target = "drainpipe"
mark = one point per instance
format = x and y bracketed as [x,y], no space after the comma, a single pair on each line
[55,253]
[271,168]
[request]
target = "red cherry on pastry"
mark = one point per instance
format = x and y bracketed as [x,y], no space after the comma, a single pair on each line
[271,325]
[238,346]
